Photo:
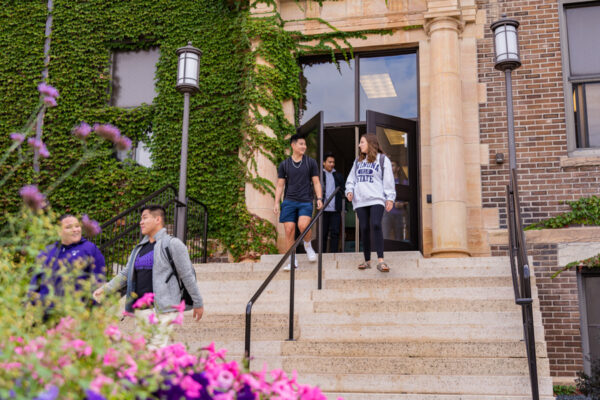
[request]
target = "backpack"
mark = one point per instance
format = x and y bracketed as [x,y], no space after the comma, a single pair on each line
[185,295]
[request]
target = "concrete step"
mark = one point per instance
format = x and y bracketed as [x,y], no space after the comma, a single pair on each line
[261,306]
[423,294]
[256,276]
[429,282]
[414,271]
[392,319]
[377,306]
[427,384]
[503,366]
[421,348]
[433,332]
[422,396]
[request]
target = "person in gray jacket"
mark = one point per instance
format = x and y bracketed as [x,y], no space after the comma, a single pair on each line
[371,189]
[148,270]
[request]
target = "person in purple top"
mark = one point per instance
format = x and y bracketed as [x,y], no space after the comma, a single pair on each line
[70,249]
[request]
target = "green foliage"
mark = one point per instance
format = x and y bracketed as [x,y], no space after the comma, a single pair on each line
[592,262]
[563,390]
[585,211]
[237,94]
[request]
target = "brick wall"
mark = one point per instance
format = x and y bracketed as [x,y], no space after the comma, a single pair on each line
[540,129]
[560,310]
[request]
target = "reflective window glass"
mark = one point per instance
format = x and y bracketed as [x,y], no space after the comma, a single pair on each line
[133,77]
[328,89]
[388,85]
[583,31]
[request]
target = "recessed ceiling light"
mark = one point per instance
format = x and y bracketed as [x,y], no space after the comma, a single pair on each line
[378,86]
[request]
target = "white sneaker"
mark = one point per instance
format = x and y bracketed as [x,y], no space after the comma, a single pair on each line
[288,267]
[310,253]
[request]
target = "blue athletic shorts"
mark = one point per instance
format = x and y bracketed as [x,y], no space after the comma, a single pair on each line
[291,210]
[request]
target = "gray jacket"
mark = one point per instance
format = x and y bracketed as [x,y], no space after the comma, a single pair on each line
[168,294]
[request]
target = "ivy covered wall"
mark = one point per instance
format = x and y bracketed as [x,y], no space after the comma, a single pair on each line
[235,90]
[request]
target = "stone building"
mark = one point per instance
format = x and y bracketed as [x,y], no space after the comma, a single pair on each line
[430,92]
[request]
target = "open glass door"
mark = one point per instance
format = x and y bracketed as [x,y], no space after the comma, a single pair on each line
[398,140]
[312,131]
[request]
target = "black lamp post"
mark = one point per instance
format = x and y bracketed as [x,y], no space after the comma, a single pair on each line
[506,45]
[188,66]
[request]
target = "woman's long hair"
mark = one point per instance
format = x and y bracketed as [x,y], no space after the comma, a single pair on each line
[372,150]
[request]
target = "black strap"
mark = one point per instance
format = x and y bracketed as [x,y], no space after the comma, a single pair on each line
[174,273]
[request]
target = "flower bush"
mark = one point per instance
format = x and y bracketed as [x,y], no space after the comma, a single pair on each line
[66,346]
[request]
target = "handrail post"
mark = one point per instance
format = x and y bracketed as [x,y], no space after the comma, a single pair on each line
[205,238]
[248,330]
[320,246]
[292,279]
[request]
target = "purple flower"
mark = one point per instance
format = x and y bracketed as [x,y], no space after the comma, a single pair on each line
[32,197]
[38,145]
[123,143]
[17,137]
[50,394]
[47,90]
[82,131]
[108,132]
[91,395]
[90,227]
[50,101]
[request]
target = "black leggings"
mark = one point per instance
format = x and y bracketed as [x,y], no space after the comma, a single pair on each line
[370,220]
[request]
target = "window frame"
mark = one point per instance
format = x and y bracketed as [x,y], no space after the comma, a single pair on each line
[582,275]
[569,83]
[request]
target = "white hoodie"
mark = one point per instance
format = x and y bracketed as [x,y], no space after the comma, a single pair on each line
[366,184]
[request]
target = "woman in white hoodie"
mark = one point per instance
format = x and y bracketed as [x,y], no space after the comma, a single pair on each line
[371,189]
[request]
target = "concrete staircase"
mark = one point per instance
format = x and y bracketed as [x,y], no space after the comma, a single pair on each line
[431,329]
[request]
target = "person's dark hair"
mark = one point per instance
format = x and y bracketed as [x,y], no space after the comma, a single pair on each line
[65,216]
[372,150]
[295,137]
[156,210]
[327,155]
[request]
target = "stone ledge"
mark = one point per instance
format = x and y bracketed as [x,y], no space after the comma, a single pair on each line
[562,235]
[569,162]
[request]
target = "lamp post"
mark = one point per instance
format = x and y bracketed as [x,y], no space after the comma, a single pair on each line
[506,46]
[188,66]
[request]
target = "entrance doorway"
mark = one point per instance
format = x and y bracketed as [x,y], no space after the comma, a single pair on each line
[375,93]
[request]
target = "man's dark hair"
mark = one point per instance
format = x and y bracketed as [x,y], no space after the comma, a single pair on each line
[295,137]
[156,210]
[327,155]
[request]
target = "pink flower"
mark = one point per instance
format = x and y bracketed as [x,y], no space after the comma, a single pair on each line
[191,387]
[50,101]
[82,131]
[108,132]
[99,381]
[80,346]
[111,358]
[127,314]
[32,197]
[10,365]
[123,143]
[17,339]
[138,342]
[38,145]
[180,307]
[178,319]
[152,319]
[113,332]
[47,90]
[90,227]
[145,301]
[130,372]
[225,379]
[17,137]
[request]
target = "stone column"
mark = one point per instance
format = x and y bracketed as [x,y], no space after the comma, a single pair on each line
[448,173]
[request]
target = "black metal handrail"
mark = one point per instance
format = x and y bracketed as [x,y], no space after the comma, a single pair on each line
[120,234]
[521,276]
[290,253]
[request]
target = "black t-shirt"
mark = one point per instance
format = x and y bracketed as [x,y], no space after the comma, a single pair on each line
[143,269]
[298,176]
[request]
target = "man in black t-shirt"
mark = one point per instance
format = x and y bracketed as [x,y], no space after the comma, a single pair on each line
[295,174]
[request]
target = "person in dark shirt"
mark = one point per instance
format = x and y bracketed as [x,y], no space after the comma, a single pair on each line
[332,215]
[295,176]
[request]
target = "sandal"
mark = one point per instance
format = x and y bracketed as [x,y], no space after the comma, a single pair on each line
[364,265]
[383,267]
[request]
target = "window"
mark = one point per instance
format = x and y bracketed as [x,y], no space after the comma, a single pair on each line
[581,67]
[588,283]
[133,78]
